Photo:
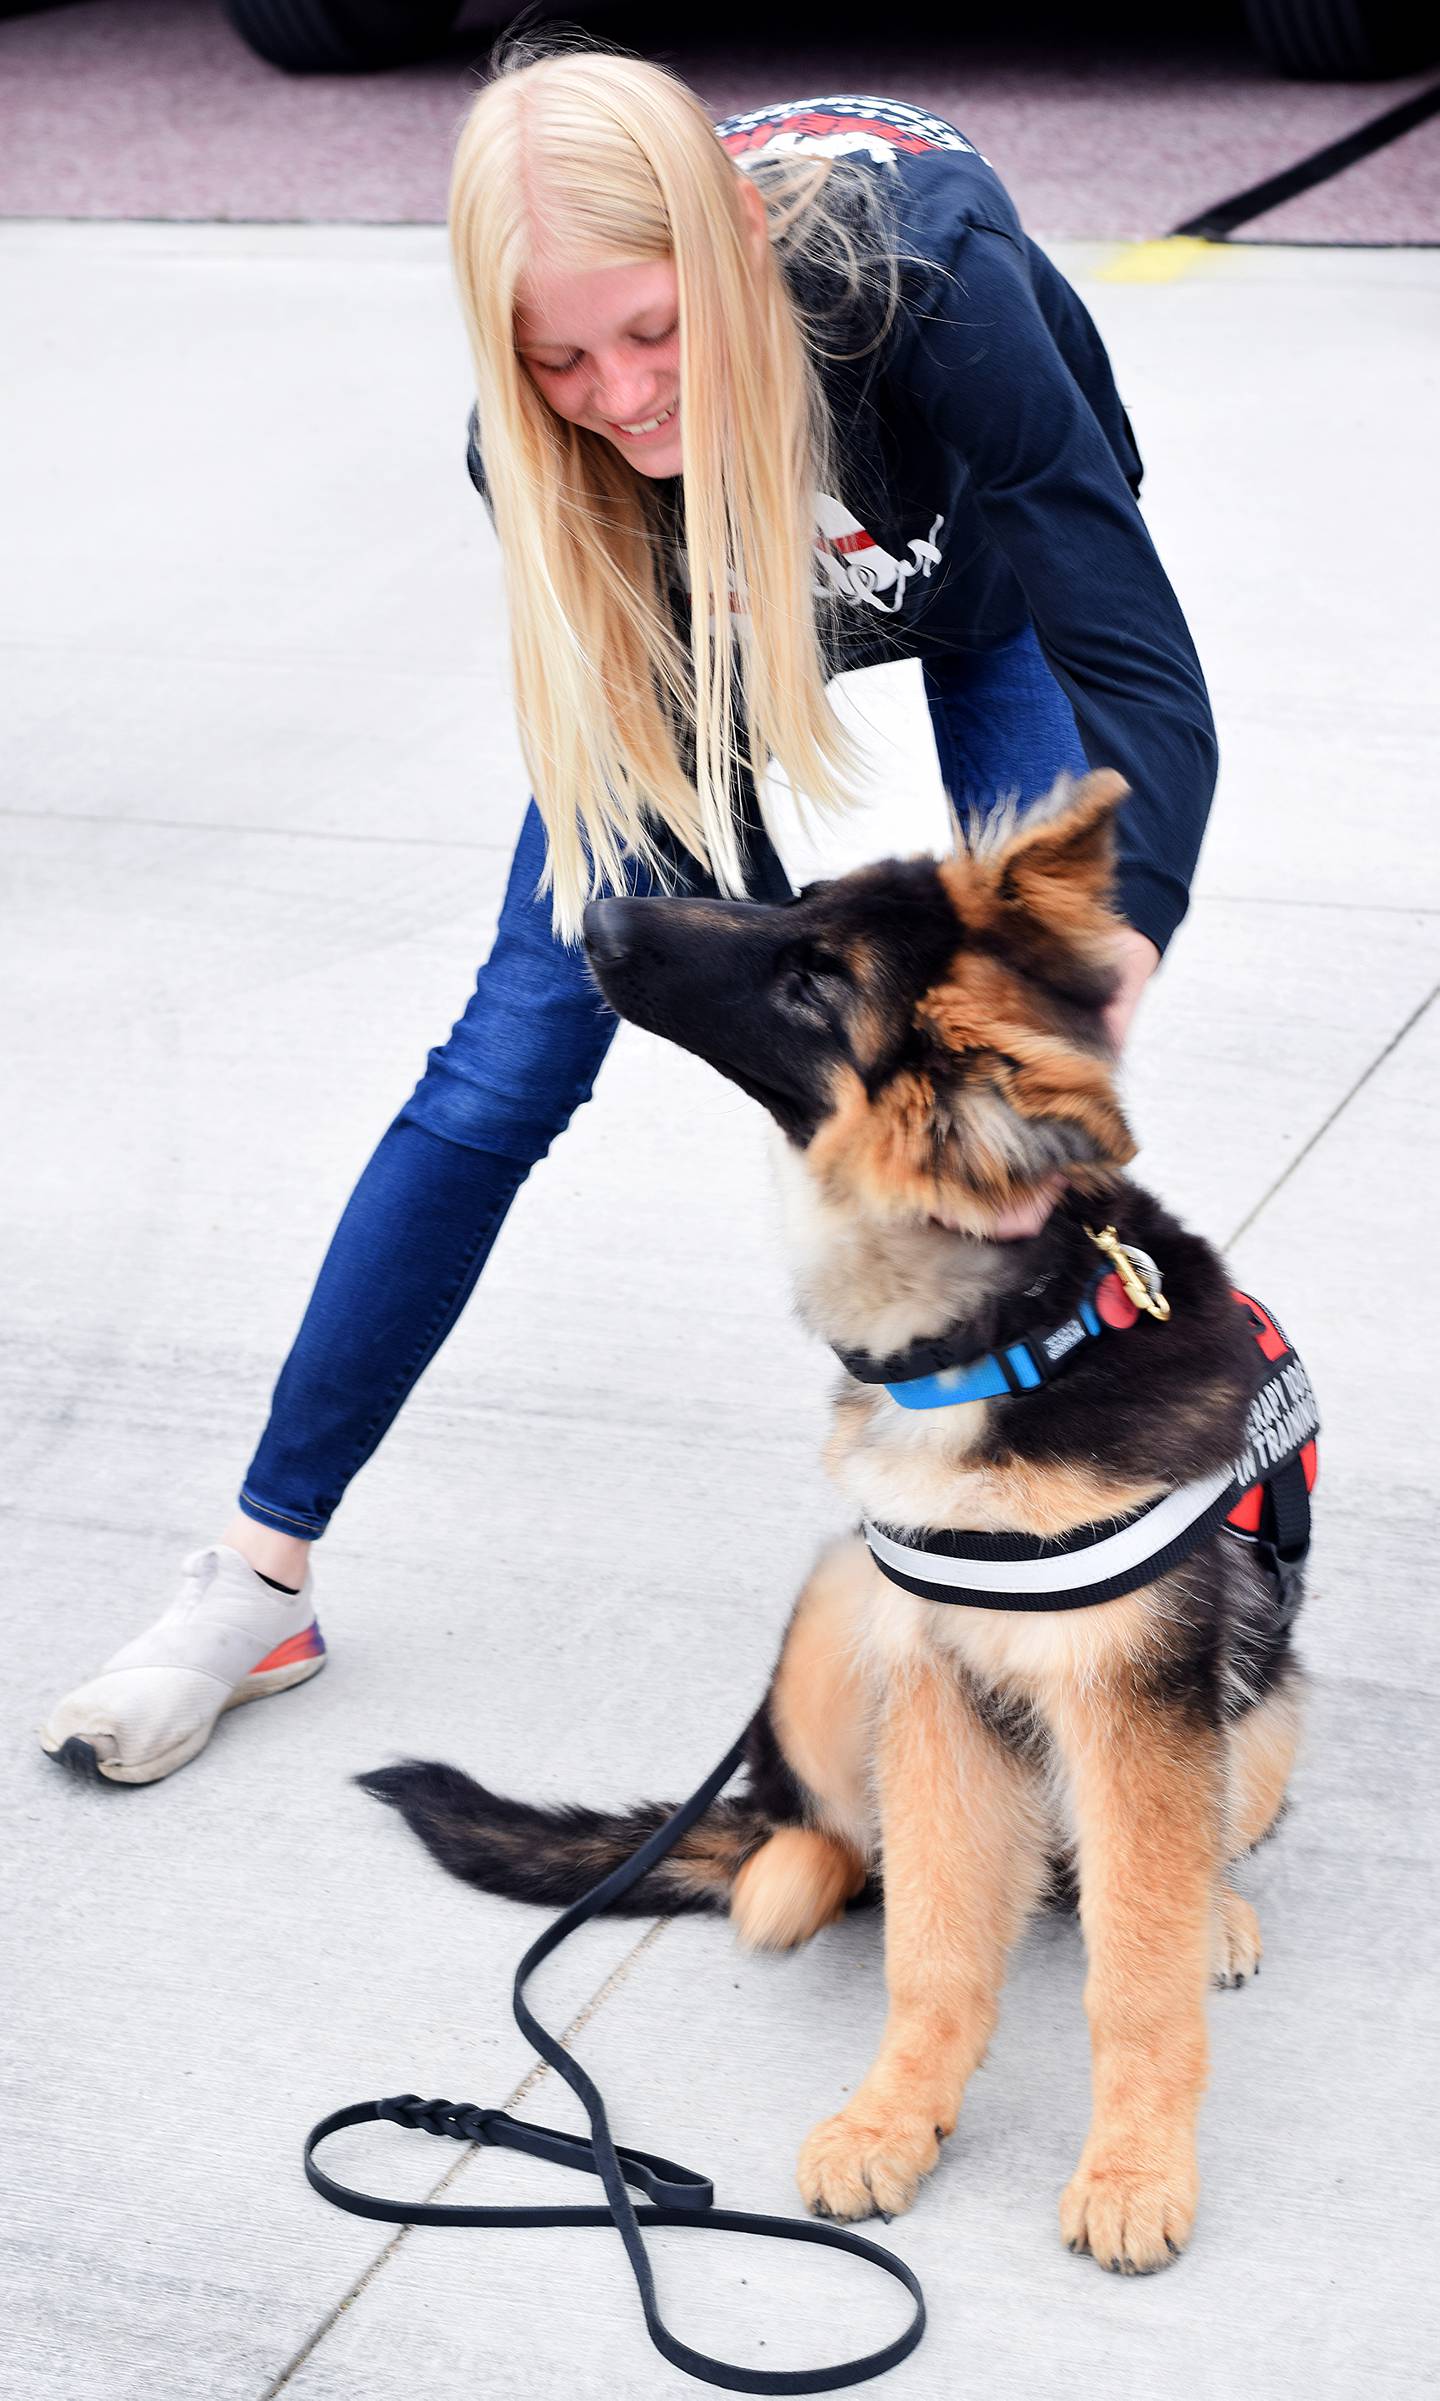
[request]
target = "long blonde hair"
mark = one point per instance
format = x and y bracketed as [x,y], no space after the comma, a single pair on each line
[600,159]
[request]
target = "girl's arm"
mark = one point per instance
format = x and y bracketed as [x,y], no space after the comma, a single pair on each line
[983,369]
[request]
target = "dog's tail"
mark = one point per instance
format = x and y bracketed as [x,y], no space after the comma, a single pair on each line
[552,1856]
[800,1878]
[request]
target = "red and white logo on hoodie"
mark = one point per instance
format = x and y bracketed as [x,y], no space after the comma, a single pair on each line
[851,564]
[847,123]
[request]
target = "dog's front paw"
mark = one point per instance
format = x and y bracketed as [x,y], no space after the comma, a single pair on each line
[1133,2216]
[1236,1954]
[867,2162]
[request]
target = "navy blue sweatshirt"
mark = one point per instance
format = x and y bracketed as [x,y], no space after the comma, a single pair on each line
[989,479]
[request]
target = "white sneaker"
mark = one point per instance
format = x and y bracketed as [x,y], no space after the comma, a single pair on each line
[227,1637]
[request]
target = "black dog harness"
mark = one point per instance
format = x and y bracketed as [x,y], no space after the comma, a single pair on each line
[1261,1498]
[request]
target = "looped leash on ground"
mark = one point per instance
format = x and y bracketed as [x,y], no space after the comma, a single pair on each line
[677,2196]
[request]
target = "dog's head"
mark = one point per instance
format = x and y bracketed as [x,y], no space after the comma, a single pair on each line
[928,1033]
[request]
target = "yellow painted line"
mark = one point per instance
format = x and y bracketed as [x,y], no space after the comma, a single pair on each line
[1164,261]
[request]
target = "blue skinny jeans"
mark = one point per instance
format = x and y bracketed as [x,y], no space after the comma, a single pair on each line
[420,1223]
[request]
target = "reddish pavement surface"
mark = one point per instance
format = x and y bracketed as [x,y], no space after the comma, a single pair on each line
[154,108]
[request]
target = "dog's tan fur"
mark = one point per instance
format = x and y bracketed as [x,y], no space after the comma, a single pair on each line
[874,1705]
[965,1858]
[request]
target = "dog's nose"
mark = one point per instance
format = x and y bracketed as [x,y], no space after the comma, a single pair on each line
[610,927]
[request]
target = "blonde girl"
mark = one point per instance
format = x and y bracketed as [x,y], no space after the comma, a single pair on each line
[754,404]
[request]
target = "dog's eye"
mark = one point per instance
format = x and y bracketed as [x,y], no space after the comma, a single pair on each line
[801,989]
[813,985]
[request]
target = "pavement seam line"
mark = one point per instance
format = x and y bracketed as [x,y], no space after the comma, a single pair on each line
[1285,900]
[281,833]
[1338,1111]
[533,2075]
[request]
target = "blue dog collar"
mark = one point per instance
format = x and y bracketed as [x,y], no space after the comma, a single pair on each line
[929,1375]
[1021,1367]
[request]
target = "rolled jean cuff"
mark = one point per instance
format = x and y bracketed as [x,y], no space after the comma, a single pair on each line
[283,1521]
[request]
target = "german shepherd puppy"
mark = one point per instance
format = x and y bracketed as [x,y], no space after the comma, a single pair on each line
[928,1038]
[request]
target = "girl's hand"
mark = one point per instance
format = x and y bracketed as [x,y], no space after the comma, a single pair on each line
[1138,961]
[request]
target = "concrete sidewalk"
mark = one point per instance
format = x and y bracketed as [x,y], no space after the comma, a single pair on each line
[260,784]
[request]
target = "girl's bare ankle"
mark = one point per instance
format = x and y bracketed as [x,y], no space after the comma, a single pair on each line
[269,1552]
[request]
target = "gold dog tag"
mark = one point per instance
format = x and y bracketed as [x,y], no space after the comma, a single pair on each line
[1136,1269]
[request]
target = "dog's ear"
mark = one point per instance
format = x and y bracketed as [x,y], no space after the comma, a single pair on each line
[1042,881]
[1059,864]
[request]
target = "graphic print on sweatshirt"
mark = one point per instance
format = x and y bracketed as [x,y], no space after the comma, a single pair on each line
[849,561]
[850,564]
[834,126]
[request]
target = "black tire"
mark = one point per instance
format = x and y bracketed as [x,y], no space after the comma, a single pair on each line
[1342,40]
[342,37]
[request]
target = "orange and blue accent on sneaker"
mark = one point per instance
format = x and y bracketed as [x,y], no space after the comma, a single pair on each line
[309,1645]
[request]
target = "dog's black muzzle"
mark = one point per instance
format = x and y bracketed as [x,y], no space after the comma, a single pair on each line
[669,964]
[611,930]
[701,973]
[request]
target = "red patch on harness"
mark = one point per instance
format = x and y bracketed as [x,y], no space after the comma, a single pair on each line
[1113,1304]
[1248,1511]
[1273,1344]
[1245,1516]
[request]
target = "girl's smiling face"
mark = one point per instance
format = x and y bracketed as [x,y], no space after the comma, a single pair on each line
[602,346]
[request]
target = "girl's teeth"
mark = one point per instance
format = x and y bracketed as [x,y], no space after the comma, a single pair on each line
[651,422]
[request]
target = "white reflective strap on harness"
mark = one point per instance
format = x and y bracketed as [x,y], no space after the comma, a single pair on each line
[1019,1571]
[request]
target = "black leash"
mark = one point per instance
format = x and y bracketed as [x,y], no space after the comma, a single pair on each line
[678,2197]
